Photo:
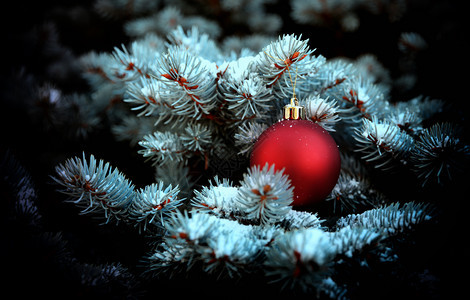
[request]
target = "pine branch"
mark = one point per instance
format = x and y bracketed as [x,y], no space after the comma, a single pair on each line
[362,97]
[350,239]
[248,98]
[301,219]
[153,204]
[223,247]
[197,138]
[189,84]
[353,193]
[247,135]
[203,100]
[277,61]
[391,219]
[321,111]
[218,199]
[20,184]
[176,173]
[98,188]
[132,129]
[146,94]
[439,154]
[300,258]
[132,67]
[265,194]
[47,255]
[198,42]
[408,121]
[95,186]
[161,146]
[382,142]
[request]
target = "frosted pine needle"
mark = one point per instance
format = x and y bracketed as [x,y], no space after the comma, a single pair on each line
[440,154]
[321,111]
[381,142]
[265,194]
[218,198]
[247,134]
[391,219]
[196,137]
[300,257]
[95,186]
[153,203]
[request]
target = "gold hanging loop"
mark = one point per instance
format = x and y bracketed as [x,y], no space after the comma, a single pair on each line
[292,111]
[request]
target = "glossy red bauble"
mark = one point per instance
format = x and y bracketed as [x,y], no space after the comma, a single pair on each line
[308,155]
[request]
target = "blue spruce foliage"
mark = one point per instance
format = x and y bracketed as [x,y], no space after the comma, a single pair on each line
[128,127]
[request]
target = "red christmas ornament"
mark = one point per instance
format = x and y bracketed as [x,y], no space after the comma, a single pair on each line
[306,152]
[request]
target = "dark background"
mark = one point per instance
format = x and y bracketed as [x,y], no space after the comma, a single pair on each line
[442,73]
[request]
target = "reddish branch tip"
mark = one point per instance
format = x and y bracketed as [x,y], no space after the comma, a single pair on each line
[264,197]
[298,264]
[183,82]
[162,205]
[354,100]
[266,188]
[288,61]
[130,66]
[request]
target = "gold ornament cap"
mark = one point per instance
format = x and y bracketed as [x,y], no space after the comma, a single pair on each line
[294,111]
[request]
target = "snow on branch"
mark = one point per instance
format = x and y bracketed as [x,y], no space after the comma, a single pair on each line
[284,59]
[97,188]
[199,100]
[188,81]
[266,194]
[381,142]
[222,246]
[390,219]
[324,112]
